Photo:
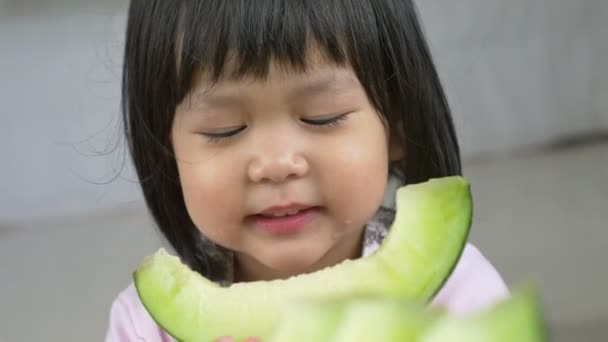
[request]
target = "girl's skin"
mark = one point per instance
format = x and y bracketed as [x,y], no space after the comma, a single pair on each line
[313,139]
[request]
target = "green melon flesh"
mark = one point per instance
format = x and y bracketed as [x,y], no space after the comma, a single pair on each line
[518,319]
[308,321]
[351,320]
[380,319]
[423,246]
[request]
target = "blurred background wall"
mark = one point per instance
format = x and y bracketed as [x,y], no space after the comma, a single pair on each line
[522,76]
[521,72]
[59,91]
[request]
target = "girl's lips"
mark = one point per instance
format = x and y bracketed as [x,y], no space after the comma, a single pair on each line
[287,224]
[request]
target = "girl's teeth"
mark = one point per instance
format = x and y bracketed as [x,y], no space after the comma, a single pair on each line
[290,212]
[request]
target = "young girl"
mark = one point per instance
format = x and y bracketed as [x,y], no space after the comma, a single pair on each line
[270,136]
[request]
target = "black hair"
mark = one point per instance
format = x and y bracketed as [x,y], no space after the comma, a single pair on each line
[169,42]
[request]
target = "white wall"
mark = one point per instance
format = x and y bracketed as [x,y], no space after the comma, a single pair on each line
[516,72]
[59,91]
[599,24]
[520,72]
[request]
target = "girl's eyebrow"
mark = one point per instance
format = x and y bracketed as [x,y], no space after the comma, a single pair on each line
[327,82]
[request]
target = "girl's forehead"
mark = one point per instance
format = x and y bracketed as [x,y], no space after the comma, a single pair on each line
[318,73]
[326,80]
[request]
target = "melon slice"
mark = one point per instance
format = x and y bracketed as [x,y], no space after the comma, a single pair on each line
[380,319]
[305,321]
[351,320]
[423,246]
[520,318]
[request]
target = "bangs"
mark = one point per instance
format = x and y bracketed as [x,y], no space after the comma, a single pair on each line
[239,39]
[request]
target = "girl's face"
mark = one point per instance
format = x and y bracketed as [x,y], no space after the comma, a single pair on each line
[284,171]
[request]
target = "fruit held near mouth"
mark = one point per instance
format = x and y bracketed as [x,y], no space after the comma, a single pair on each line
[423,246]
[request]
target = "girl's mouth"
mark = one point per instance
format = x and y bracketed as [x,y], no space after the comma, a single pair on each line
[285,220]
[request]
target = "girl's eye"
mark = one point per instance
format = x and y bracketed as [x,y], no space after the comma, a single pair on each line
[326,121]
[215,137]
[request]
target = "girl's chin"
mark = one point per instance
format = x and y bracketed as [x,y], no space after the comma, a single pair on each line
[287,267]
[283,265]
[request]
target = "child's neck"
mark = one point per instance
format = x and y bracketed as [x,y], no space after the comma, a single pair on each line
[247,269]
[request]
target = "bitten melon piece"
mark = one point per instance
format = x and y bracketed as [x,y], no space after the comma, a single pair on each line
[423,246]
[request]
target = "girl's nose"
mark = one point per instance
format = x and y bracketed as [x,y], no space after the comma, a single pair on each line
[277,168]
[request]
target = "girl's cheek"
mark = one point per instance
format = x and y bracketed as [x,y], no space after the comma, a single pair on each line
[213,196]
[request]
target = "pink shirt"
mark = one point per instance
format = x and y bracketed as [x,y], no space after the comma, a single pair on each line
[474,285]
